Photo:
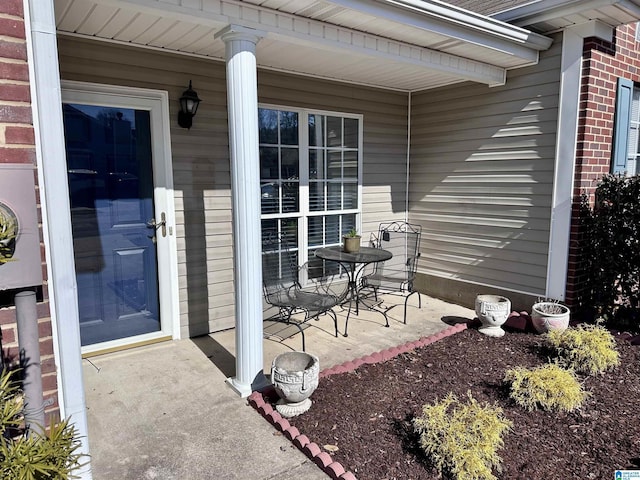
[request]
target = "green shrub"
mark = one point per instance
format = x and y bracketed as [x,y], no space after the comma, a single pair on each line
[462,439]
[609,247]
[11,405]
[549,387]
[586,349]
[34,457]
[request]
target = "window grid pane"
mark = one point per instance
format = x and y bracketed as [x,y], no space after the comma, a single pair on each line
[279,161]
[331,174]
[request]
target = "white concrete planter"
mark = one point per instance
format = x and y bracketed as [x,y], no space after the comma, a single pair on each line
[295,377]
[548,316]
[492,311]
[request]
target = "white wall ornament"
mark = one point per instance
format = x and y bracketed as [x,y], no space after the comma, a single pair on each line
[20,262]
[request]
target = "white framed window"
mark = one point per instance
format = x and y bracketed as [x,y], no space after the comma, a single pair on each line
[633,151]
[626,131]
[310,179]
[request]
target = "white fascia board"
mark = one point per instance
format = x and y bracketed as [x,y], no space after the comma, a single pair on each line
[287,27]
[456,23]
[548,10]
[56,218]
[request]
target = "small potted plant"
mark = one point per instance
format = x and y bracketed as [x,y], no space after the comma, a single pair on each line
[548,315]
[8,233]
[351,241]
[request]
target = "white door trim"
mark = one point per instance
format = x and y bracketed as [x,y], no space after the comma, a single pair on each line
[157,103]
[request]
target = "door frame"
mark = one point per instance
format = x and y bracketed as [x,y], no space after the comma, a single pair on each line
[157,103]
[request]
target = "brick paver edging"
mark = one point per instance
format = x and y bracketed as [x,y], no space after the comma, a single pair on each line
[334,469]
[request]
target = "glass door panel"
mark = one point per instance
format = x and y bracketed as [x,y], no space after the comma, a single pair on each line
[111,188]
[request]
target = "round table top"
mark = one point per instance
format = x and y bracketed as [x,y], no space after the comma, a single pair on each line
[364,255]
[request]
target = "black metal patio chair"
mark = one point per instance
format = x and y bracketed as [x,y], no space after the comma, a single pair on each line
[282,288]
[397,274]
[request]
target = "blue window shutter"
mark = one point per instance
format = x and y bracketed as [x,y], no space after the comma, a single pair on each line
[621,126]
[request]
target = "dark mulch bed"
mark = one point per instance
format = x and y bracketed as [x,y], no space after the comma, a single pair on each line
[367,413]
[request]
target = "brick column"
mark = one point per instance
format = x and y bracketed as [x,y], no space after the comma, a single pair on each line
[603,63]
[17,145]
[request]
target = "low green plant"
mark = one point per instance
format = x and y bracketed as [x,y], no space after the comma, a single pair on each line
[549,387]
[11,404]
[588,349]
[8,234]
[462,439]
[52,455]
[352,233]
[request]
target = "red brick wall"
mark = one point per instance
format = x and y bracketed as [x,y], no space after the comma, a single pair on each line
[603,63]
[17,145]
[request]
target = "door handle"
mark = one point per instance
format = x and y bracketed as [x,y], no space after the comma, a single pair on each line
[161,224]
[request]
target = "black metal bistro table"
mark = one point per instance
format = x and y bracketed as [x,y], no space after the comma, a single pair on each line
[353,264]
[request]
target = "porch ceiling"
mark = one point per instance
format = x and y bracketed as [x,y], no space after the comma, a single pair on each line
[549,16]
[405,45]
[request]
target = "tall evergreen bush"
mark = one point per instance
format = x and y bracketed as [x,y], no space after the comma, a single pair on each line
[610,251]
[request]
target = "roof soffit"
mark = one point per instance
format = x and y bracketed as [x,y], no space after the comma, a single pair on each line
[487,7]
[512,46]
[548,16]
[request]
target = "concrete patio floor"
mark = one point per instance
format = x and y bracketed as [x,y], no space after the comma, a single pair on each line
[164,411]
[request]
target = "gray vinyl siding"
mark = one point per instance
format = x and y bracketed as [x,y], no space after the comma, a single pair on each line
[481,177]
[201,166]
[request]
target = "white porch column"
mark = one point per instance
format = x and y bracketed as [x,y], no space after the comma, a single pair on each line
[242,106]
[566,143]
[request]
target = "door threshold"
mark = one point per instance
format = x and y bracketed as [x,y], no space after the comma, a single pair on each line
[128,346]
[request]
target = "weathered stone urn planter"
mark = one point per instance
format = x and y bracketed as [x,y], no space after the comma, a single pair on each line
[295,377]
[492,311]
[547,316]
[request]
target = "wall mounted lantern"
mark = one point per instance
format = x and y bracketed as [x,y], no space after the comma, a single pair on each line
[189,102]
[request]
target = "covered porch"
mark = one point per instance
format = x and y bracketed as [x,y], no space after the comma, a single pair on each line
[352,61]
[375,63]
[163,411]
